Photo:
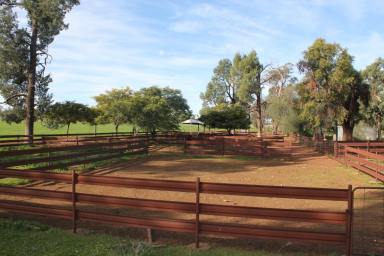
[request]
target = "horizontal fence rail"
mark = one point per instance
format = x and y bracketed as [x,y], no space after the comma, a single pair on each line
[197,227]
[58,156]
[365,161]
[226,145]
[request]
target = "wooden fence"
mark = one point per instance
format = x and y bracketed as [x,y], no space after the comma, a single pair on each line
[76,152]
[365,161]
[199,228]
[225,145]
[41,139]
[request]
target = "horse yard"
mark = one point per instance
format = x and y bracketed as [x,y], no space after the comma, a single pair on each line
[294,166]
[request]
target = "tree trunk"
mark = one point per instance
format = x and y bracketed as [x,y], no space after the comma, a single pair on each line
[30,100]
[259,117]
[116,129]
[68,129]
[95,129]
[347,132]
[229,131]
[379,126]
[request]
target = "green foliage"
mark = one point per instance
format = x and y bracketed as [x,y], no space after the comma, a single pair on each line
[281,109]
[221,88]
[67,113]
[151,108]
[14,64]
[332,89]
[374,112]
[157,108]
[24,54]
[226,116]
[113,107]
[12,115]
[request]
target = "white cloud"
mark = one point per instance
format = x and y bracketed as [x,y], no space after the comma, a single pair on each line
[176,43]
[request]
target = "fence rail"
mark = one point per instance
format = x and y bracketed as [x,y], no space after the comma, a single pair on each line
[52,157]
[226,145]
[365,161]
[198,228]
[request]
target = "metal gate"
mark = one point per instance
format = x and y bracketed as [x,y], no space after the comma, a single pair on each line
[368,221]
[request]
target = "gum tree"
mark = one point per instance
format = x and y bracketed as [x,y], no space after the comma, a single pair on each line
[374,112]
[334,84]
[29,45]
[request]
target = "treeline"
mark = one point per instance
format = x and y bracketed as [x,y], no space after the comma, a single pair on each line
[331,92]
[149,109]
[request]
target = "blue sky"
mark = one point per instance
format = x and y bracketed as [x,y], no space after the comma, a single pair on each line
[112,44]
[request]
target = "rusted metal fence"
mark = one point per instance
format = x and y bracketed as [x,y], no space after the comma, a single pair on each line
[376,147]
[41,139]
[368,221]
[225,145]
[365,161]
[321,146]
[78,152]
[199,228]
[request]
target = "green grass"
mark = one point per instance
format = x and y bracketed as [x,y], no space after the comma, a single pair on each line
[18,129]
[26,238]
[13,182]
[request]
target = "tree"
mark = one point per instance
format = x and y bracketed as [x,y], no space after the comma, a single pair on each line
[281,108]
[65,114]
[157,108]
[92,117]
[282,99]
[253,77]
[238,81]
[26,49]
[114,107]
[226,116]
[374,112]
[174,98]
[334,84]
[222,87]
[280,77]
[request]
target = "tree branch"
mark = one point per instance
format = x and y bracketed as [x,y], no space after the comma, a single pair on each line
[9,3]
[12,97]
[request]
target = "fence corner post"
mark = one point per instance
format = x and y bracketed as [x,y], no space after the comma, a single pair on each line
[197,224]
[74,199]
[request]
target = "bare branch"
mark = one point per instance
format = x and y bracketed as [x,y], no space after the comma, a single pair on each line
[12,97]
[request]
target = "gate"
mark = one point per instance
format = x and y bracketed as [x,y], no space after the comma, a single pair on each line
[368,221]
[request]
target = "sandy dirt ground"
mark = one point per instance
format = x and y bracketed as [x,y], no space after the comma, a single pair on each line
[299,167]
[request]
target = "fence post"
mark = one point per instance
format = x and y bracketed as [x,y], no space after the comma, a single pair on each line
[49,157]
[336,149]
[223,146]
[185,145]
[197,212]
[150,235]
[74,199]
[349,223]
[345,155]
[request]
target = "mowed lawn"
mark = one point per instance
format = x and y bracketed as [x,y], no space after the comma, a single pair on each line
[26,238]
[18,129]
